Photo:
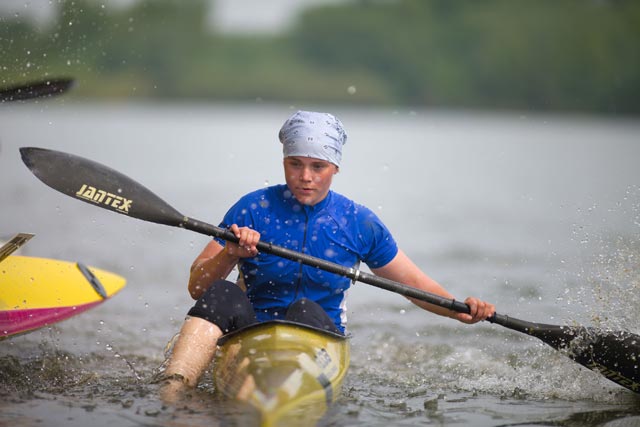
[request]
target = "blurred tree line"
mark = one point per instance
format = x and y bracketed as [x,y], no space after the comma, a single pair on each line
[555,55]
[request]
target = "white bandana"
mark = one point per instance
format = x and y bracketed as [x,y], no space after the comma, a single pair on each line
[310,134]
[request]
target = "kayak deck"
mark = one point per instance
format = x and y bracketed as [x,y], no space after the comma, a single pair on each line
[290,373]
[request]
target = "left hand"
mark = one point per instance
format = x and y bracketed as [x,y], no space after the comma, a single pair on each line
[480,310]
[247,241]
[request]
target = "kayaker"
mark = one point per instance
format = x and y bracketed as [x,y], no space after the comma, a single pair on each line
[304,215]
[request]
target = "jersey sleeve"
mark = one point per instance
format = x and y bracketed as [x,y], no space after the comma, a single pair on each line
[378,245]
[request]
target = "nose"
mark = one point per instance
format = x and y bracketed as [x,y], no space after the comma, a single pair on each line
[305,174]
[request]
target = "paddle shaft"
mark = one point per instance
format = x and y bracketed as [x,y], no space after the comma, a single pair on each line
[357,275]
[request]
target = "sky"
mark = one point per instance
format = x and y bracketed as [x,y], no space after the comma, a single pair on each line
[227,16]
[251,16]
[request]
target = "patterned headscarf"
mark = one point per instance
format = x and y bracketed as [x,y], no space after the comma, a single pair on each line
[311,134]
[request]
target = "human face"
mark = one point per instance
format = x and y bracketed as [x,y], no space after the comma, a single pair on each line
[308,179]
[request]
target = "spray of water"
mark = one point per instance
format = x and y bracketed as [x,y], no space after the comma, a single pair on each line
[608,282]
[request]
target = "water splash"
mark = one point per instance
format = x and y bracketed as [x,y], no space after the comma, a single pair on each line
[607,283]
[618,288]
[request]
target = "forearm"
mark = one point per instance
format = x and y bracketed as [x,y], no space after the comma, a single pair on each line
[206,271]
[425,283]
[403,270]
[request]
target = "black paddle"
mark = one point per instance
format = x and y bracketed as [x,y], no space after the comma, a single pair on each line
[612,354]
[39,89]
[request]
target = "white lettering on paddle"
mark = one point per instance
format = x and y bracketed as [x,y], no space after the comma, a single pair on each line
[114,201]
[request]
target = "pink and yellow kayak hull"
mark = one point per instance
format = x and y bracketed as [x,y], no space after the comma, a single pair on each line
[36,292]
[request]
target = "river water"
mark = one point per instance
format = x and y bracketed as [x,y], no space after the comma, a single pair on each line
[538,214]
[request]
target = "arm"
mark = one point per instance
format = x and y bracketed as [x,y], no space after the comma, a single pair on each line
[402,269]
[216,262]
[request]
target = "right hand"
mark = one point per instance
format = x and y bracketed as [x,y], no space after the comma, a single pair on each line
[248,238]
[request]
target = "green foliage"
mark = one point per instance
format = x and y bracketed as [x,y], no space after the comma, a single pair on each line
[578,55]
[544,54]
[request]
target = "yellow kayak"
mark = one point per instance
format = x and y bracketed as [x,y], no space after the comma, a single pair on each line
[36,292]
[289,372]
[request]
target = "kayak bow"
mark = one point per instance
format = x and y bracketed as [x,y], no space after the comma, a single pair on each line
[289,372]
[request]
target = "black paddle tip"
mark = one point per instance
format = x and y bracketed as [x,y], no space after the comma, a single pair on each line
[28,154]
[37,89]
[40,160]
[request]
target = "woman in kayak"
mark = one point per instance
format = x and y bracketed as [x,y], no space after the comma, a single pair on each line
[306,216]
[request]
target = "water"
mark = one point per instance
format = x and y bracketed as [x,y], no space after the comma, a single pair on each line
[538,214]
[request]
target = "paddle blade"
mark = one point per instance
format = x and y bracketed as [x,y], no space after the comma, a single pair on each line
[615,355]
[99,185]
[39,89]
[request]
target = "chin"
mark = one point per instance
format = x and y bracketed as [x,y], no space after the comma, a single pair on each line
[308,201]
[302,199]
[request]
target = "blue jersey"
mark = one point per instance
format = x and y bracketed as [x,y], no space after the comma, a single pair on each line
[336,229]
